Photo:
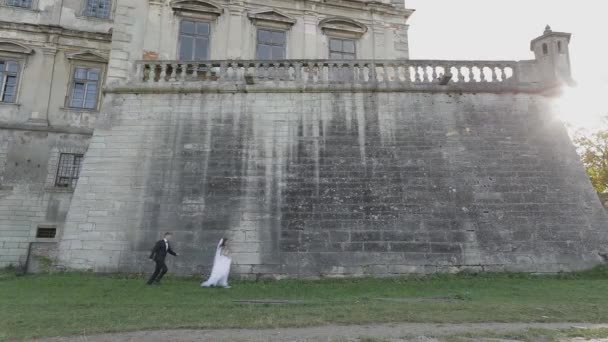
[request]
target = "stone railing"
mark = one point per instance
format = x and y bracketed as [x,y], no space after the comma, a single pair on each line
[319,72]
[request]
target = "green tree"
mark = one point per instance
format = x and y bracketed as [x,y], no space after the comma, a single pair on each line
[593,149]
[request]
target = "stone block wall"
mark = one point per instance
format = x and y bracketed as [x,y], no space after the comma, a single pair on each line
[28,198]
[334,183]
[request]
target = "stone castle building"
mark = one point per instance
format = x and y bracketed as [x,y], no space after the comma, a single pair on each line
[301,130]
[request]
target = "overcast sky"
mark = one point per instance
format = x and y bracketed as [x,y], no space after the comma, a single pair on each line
[492,29]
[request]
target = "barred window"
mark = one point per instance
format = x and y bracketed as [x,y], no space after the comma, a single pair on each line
[19,3]
[193,40]
[98,8]
[9,73]
[46,232]
[341,48]
[68,170]
[85,88]
[271,44]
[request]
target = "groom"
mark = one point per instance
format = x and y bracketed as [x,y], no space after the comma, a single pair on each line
[159,253]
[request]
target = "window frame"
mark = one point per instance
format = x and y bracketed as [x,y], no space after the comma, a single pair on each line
[270,29]
[4,74]
[84,13]
[72,181]
[195,20]
[72,82]
[33,5]
[342,39]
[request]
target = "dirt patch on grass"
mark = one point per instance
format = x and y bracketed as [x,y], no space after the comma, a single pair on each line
[368,333]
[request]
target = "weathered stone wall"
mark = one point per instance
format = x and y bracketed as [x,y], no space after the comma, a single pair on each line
[233,31]
[47,40]
[28,198]
[308,184]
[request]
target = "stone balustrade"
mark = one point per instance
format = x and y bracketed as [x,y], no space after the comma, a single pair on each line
[325,71]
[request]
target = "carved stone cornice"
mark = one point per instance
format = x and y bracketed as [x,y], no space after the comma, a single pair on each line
[56,30]
[271,18]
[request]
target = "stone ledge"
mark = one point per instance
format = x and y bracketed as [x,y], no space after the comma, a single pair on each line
[50,129]
[286,87]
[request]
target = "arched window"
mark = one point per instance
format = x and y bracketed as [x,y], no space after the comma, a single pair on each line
[545,49]
[559,46]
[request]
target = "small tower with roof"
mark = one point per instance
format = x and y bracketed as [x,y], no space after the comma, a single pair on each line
[552,52]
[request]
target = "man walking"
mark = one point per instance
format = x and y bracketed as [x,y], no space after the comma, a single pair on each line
[159,253]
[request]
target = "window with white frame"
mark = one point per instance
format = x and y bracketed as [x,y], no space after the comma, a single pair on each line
[85,88]
[342,48]
[271,44]
[19,3]
[68,170]
[98,8]
[9,76]
[193,40]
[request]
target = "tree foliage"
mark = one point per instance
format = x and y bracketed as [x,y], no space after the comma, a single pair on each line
[593,149]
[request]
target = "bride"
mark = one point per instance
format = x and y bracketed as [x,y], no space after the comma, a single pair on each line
[221,267]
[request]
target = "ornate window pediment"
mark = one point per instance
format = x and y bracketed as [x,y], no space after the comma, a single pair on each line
[88,56]
[272,18]
[205,9]
[343,27]
[9,46]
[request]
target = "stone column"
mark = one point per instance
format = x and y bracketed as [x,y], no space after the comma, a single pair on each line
[311,34]
[126,49]
[41,110]
[236,47]
[154,31]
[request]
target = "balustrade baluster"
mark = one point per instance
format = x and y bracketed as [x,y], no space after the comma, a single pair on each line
[194,70]
[434,75]
[138,73]
[171,72]
[298,66]
[448,72]
[148,73]
[163,73]
[482,74]
[181,77]
[385,77]
[419,74]
[331,72]
[261,71]
[490,75]
[373,74]
[503,71]
[473,76]
[457,74]
[505,76]
[351,71]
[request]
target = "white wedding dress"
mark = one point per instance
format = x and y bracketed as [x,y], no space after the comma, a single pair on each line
[220,270]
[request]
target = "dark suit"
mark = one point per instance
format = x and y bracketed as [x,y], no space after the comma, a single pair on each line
[159,253]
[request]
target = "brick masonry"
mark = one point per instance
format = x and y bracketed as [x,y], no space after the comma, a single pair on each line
[330,184]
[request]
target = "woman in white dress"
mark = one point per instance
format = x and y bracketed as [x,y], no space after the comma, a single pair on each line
[221,267]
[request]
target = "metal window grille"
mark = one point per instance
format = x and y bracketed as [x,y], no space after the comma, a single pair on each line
[85,89]
[98,8]
[46,233]
[68,170]
[193,40]
[271,44]
[9,74]
[342,49]
[19,3]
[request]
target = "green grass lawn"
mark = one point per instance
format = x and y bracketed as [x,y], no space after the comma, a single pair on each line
[67,304]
